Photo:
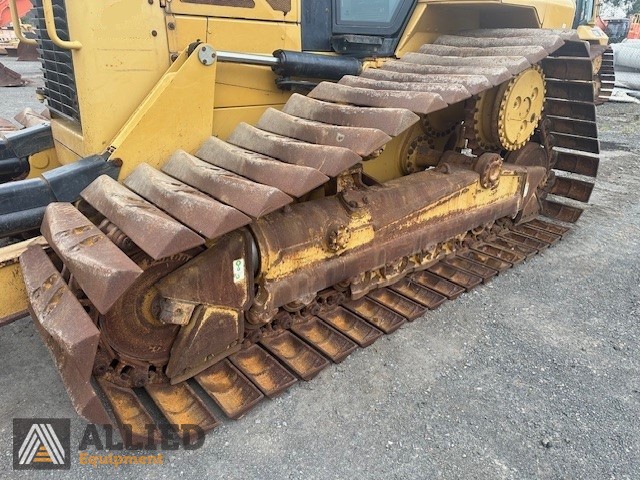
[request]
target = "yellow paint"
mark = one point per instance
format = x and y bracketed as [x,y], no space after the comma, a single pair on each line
[160,126]
[41,162]
[13,295]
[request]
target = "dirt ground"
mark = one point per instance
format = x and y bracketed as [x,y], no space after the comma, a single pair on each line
[536,375]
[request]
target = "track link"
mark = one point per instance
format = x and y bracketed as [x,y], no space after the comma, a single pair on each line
[225,185]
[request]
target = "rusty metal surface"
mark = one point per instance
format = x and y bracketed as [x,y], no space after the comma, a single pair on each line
[251,198]
[392,121]
[181,406]
[303,360]
[328,341]
[460,277]
[495,76]
[418,102]
[438,284]
[525,240]
[572,91]
[188,205]
[553,228]
[351,325]
[329,160]
[466,265]
[572,188]
[569,68]
[550,43]
[534,33]
[230,389]
[66,329]
[513,246]
[574,126]
[136,426]
[515,64]
[542,235]
[294,180]
[398,303]
[575,162]
[473,83]
[560,212]
[576,142]
[155,232]
[450,92]
[364,141]
[102,270]
[377,315]
[263,370]
[499,253]
[486,260]
[567,109]
[419,293]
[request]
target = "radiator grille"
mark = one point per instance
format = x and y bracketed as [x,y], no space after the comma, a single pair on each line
[59,79]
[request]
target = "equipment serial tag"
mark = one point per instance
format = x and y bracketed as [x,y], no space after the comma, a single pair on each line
[238,270]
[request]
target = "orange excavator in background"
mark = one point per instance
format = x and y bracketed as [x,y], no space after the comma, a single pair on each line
[634,28]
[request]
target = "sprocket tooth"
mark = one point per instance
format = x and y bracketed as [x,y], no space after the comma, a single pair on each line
[102,270]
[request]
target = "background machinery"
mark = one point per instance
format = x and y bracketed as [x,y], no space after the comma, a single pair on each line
[233,193]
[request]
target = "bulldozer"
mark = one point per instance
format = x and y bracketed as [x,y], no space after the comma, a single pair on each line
[231,194]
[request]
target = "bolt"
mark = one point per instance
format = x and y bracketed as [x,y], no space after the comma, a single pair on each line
[171,26]
[154,33]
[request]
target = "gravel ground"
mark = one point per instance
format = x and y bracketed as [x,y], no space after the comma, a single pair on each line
[535,375]
[14,99]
